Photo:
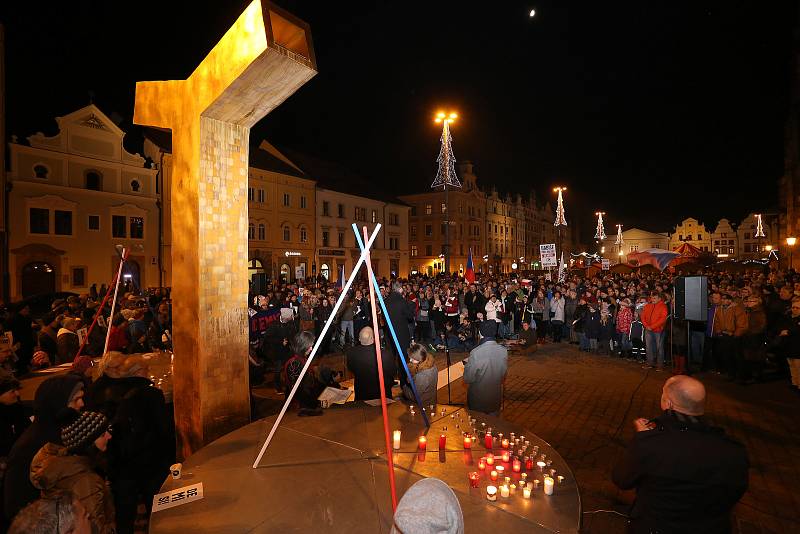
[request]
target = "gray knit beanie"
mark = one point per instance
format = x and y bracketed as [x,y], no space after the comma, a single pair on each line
[81,432]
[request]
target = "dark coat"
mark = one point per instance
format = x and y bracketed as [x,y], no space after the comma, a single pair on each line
[591,324]
[363,363]
[51,398]
[687,475]
[400,315]
[13,423]
[143,444]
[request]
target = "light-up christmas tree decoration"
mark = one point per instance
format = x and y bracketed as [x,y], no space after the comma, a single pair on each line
[446,175]
[619,241]
[600,233]
[560,215]
[759,226]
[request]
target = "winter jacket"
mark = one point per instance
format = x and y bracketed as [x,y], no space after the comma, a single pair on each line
[654,316]
[13,423]
[67,346]
[591,324]
[363,363]
[557,306]
[485,371]
[731,320]
[624,319]
[579,322]
[494,310]
[53,469]
[426,378]
[51,397]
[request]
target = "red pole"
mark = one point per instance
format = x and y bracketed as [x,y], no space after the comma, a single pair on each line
[389,456]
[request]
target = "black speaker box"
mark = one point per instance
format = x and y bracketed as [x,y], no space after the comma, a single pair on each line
[691,298]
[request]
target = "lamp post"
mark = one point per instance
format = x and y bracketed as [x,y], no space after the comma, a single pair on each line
[446,175]
[791,242]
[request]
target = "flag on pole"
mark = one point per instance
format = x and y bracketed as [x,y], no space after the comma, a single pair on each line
[562,269]
[340,281]
[469,274]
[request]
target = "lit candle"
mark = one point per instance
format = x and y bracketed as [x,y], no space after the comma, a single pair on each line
[467,442]
[493,475]
[500,470]
[411,407]
[512,489]
[507,480]
[504,491]
[512,435]
[482,463]
[541,465]
[535,484]
[487,440]
[433,408]
[423,443]
[473,479]
[528,463]
[560,479]
[490,459]
[552,473]
[396,444]
[516,466]
[526,493]
[442,442]
[499,436]
[491,493]
[523,478]
[506,456]
[505,443]
[548,486]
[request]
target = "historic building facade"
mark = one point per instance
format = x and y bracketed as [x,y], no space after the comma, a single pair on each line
[724,240]
[751,247]
[74,197]
[691,231]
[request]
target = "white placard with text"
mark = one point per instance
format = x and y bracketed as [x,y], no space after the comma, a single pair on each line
[177,497]
[606,263]
[547,252]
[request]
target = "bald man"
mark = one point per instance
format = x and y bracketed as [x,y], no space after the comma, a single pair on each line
[687,474]
[363,363]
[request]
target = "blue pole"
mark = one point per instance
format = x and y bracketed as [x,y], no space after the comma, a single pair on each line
[394,336]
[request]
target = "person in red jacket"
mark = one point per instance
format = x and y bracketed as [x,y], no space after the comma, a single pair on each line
[654,317]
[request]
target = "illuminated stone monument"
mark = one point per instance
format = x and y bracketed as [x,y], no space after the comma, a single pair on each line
[262,59]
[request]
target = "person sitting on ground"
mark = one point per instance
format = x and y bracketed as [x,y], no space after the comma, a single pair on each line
[527,337]
[423,369]
[53,396]
[687,474]
[119,338]
[60,513]
[428,507]
[363,363]
[485,371]
[74,466]
[310,388]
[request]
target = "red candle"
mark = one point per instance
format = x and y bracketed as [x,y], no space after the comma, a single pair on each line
[467,442]
[506,456]
[505,443]
[516,465]
[482,463]
[487,441]
[501,471]
[423,443]
[493,475]
[528,463]
[442,442]
[473,479]
[490,459]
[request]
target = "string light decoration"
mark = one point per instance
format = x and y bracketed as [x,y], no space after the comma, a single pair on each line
[619,240]
[759,227]
[446,174]
[560,214]
[600,233]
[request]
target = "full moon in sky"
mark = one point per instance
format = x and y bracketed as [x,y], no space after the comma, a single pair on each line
[532,13]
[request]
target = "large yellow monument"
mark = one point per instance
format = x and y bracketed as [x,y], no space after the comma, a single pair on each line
[260,61]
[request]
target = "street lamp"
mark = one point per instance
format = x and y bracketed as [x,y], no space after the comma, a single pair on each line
[446,175]
[791,242]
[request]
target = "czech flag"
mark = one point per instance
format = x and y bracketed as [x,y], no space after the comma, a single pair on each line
[469,274]
[656,257]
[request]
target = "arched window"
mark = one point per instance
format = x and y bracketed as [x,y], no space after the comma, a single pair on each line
[262,232]
[40,171]
[135,186]
[94,180]
[251,231]
[325,271]
[287,233]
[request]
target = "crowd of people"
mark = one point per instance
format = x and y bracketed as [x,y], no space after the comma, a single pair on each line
[67,454]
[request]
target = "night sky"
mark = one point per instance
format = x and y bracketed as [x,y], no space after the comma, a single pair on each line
[650,111]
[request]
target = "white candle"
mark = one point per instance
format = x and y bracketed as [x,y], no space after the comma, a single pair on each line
[504,491]
[512,488]
[396,436]
[541,465]
[526,493]
[491,493]
[560,479]
[548,486]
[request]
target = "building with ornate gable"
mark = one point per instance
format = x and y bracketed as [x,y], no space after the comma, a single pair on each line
[74,197]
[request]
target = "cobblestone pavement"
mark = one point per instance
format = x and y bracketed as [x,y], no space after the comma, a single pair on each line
[584,405]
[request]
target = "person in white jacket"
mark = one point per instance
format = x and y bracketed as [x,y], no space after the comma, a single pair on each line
[557,320]
[494,307]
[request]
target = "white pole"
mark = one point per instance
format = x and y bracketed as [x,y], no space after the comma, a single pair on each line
[321,336]
[114,302]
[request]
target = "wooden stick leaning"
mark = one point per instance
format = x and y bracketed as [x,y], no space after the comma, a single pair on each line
[381,383]
[317,343]
[394,336]
[114,302]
